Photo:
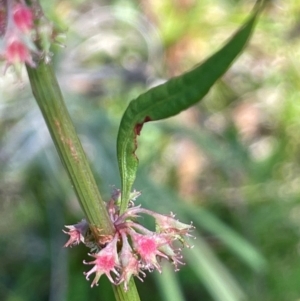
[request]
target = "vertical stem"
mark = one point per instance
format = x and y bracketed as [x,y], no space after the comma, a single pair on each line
[47,93]
[131,294]
[49,98]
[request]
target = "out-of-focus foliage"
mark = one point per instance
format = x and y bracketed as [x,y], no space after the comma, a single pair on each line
[230,164]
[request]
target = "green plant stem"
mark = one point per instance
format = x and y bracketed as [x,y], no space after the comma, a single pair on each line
[49,98]
[131,295]
[47,93]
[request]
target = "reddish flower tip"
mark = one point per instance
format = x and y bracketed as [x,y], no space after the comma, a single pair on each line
[23,17]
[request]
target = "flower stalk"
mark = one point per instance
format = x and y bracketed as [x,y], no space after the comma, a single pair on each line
[49,98]
[47,93]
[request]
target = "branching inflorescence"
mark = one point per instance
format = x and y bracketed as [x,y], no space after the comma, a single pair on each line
[133,249]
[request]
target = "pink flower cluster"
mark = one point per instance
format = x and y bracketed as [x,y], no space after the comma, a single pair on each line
[132,249]
[21,29]
[16,27]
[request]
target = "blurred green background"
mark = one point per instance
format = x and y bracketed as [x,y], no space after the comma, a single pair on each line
[230,164]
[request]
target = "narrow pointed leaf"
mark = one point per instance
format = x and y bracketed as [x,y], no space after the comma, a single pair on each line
[172,97]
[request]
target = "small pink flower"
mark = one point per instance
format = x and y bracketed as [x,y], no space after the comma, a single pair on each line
[23,17]
[169,225]
[16,52]
[106,261]
[77,233]
[130,263]
[148,249]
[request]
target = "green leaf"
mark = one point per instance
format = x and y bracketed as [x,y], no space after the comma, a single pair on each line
[172,97]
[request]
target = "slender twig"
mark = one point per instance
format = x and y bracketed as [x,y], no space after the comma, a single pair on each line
[47,93]
[49,98]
